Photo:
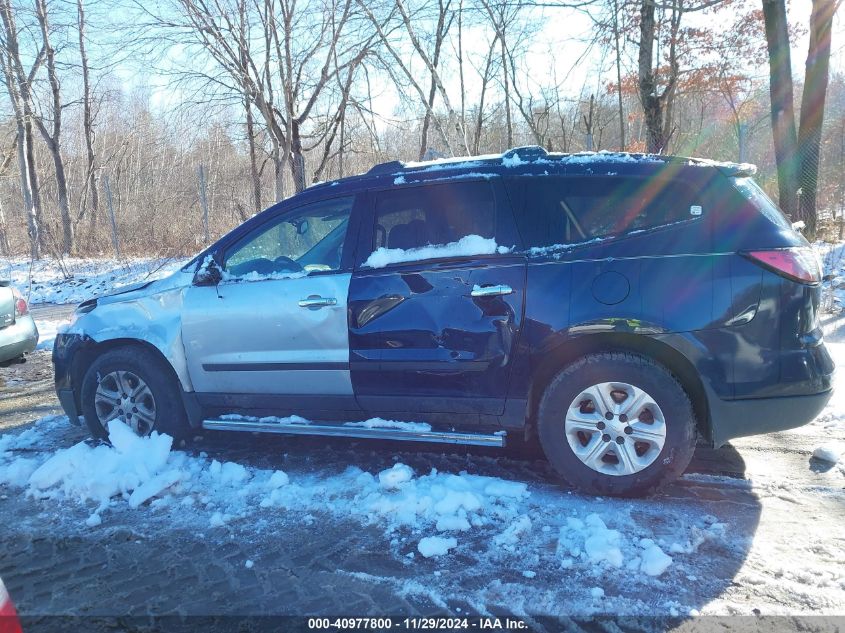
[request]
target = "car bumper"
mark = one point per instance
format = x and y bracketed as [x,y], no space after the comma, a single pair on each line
[806,387]
[65,348]
[18,339]
[741,418]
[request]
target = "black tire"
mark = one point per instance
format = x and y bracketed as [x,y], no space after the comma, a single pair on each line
[170,416]
[641,372]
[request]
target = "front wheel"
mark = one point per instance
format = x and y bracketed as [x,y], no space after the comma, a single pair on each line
[617,423]
[132,385]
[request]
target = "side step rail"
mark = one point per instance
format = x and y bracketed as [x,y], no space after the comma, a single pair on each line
[256,425]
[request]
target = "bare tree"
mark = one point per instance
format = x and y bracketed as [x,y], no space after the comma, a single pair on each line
[19,86]
[53,136]
[91,181]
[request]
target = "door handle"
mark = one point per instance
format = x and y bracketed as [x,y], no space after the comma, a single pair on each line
[315,301]
[491,291]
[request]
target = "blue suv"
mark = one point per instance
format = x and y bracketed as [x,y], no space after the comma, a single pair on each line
[616,307]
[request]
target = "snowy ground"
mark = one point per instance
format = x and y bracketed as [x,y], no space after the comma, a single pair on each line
[423,531]
[75,280]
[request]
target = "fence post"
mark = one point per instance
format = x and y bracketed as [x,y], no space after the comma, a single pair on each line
[114,240]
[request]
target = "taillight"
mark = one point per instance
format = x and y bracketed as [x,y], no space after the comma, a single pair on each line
[9,622]
[20,303]
[798,263]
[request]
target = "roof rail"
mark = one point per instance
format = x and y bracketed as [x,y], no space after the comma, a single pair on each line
[390,167]
[526,153]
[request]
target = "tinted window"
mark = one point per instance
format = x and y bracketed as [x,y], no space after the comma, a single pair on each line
[752,192]
[567,211]
[307,239]
[434,214]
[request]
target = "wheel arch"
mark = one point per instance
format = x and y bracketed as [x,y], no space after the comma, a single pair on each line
[83,359]
[568,351]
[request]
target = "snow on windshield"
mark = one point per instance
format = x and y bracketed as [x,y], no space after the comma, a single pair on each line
[466,246]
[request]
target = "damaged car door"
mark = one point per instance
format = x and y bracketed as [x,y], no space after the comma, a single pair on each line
[275,323]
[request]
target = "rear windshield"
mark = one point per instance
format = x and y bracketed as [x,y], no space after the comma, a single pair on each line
[752,192]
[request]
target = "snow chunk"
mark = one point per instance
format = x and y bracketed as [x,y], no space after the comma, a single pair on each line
[654,561]
[379,423]
[153,487]
[436,546]
[511,535]
[228,473]
[278,479]
[597,592]
[466,246]
[829,453]
[249,564]
[452,524]
[94,520]
[17,472]
[602,543]
[393,478]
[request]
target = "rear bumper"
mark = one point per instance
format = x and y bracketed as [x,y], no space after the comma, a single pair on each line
[730,419]
[18,339]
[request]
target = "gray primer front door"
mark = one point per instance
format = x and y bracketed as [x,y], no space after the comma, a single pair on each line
[257,338]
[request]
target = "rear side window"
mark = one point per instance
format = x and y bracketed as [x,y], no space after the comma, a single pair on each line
[752,192]
[434,214]
[561,211]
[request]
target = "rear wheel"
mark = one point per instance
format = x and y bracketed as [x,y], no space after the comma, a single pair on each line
[616,423]
[133,385]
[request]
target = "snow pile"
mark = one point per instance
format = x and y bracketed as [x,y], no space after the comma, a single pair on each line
[425,515]
[133,467]
[830,453]
[74,280]
[590,539]
[465,247]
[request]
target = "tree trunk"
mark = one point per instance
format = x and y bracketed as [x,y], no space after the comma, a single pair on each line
[812,110]
[297,166]
[253,159]
[783,112]
[32,196]
[18,87]
[91,177]
[508,120]
[619,74]
[652,111]
[53,138]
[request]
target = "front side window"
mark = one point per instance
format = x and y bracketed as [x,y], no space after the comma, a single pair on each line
[434,215]
[561,211]
[306,240]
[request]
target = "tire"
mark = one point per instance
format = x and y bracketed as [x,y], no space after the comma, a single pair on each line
[617,467]
[134,364]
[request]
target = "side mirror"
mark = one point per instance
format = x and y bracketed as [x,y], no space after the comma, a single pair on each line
[208,274]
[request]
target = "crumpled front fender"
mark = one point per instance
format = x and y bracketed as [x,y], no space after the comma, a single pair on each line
[155,319]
